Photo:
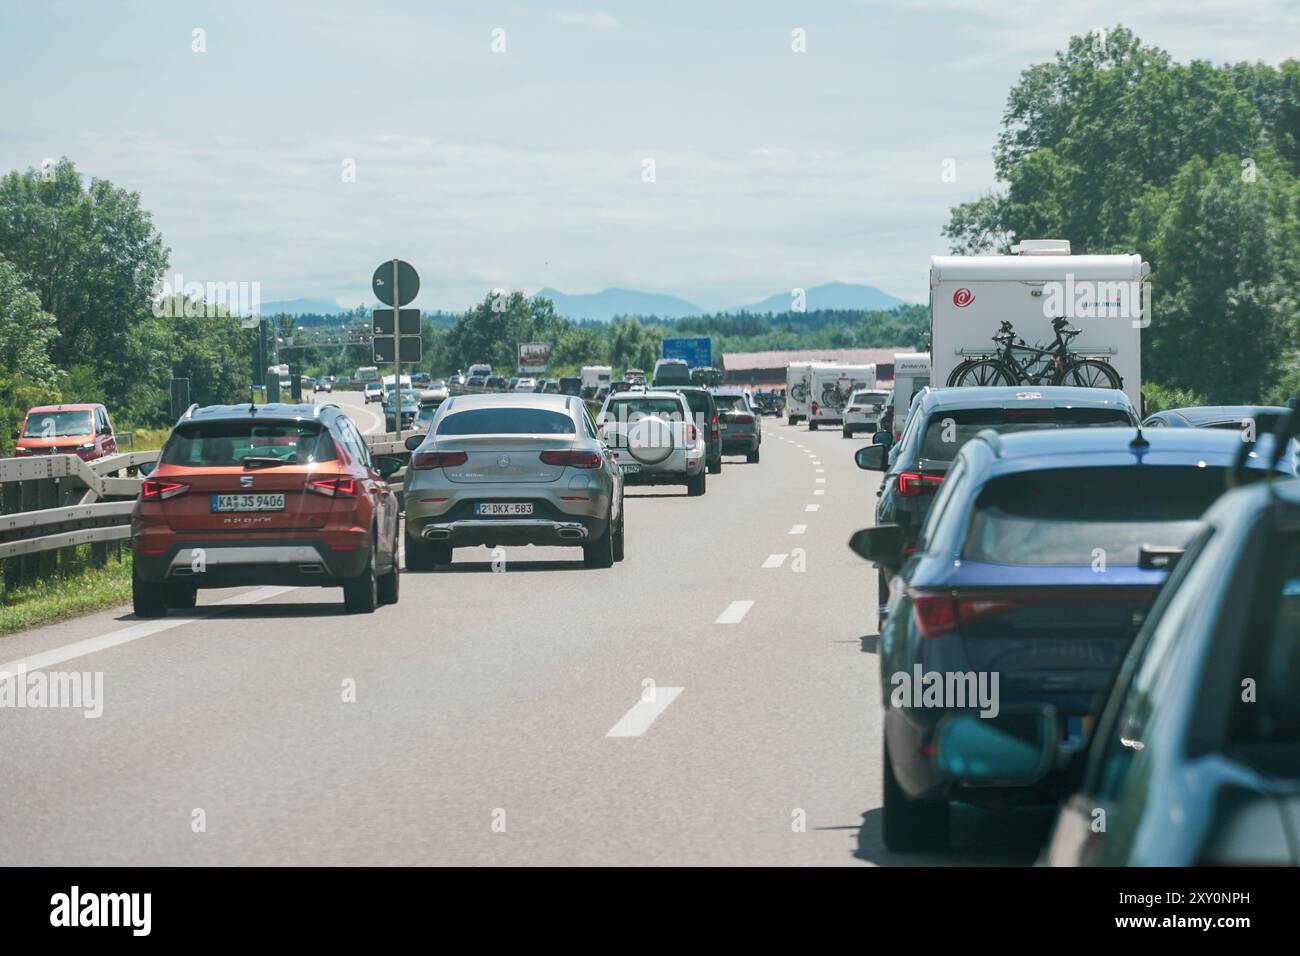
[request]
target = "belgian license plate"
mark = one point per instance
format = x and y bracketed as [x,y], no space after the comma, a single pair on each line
[503,508]
[629,468]
[247,503]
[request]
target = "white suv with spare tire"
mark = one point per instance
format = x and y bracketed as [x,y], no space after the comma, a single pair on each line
[655,439]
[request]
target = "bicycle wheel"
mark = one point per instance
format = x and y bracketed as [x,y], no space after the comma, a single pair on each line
[1089,373]
[980,372]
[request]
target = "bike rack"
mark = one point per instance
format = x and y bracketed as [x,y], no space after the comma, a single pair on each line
[997,350]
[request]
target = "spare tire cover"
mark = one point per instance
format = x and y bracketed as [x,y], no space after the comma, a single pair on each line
[650,440]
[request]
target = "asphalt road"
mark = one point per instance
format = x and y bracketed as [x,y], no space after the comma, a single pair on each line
[541,714]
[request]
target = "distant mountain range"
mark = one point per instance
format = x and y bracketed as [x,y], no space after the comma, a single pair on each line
[610,303]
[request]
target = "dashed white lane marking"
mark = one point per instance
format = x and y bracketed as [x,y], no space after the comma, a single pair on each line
[812,508]
[735,612]
[821,481]
[644,712]
[775,560]
[821,471]
[798,529]
[817,463]
[820,491]
[92,645]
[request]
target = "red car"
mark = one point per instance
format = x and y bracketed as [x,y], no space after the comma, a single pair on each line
[73,429]
[265,494]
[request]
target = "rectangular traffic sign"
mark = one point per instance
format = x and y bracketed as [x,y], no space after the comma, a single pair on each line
[408,319]
[385,348]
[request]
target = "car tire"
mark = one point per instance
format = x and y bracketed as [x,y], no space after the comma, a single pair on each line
[752,456]
[910,825]
[420,555]
[847,433]
[148,599]
[620,538]
[361,594]
[182,596]
[715,467]
[812,425]
[696,486]
[390,584]
[600,553]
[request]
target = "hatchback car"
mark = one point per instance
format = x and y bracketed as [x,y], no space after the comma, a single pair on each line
[83,430]
[374,392]
[942,420]
[739,424]
[265,494]
[655,439]
[1041,554]
[512,469]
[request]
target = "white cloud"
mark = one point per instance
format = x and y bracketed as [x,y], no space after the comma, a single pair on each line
[596,19]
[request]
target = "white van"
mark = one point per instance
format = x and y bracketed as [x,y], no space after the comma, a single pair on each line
[479,368]
[832,387]
[911,374]
[1103,296]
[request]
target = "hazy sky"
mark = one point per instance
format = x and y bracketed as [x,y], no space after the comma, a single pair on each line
[525,168]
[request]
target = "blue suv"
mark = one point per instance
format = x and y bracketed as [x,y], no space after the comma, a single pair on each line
[1037,561]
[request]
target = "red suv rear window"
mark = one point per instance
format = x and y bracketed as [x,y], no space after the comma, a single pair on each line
[227,444]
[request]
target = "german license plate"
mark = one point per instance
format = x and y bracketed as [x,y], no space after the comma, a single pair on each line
[503,508]
[629,468]
[247,503]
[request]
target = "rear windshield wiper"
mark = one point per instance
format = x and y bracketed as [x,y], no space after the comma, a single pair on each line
[254,461]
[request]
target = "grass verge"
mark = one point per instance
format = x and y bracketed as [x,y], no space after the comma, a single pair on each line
[77,588]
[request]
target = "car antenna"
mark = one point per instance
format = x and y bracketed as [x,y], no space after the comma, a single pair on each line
[1138,441]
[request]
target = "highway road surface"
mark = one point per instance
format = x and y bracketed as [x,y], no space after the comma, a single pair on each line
[713,699]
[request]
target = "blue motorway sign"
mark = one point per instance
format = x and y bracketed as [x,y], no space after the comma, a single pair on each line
[698,353]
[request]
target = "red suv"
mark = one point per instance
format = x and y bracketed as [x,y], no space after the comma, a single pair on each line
[74,429]
[265,494]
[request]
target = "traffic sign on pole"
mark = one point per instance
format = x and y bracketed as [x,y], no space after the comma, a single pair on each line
[396,331]
[392,277]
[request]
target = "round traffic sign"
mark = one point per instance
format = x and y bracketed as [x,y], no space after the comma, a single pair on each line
[407,278]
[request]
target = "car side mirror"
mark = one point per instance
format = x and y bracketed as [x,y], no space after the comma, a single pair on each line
[882,545]
[16,436]
[1011,748]
[871,457]
[387,465]
[413,442]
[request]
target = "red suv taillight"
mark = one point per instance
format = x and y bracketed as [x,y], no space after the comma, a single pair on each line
[157,489]
[574,459]
[912,484]
[713,426]
[690,434]
[743,419]
[438,459]
[336,486]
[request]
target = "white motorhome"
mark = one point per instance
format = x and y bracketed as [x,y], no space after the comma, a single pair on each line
[479,368]
[831,388]
[798,390]
[596,376]
[1104,296]
[911,374]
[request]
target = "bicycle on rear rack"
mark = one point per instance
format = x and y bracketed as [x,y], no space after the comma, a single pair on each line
[1054,365]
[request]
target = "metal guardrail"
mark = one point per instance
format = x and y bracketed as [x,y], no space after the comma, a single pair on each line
[52,504]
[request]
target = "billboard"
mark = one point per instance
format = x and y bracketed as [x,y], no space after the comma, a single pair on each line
[697,353]
[534,356]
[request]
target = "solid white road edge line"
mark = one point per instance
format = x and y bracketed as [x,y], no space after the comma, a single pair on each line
[93,645]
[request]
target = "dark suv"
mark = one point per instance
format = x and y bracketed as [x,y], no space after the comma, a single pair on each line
[944,419]
[705,412]
[265,494]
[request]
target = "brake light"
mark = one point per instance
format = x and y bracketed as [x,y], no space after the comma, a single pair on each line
[943,612]
[853,408]
[713,425]
[336,486]
[573,459]
[157,489]
[438,459]
[744,419]
[690,434]
[911,484]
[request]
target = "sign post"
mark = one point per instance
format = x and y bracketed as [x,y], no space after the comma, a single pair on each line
[396,331]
